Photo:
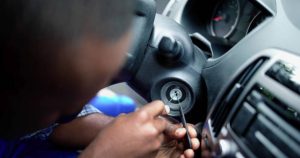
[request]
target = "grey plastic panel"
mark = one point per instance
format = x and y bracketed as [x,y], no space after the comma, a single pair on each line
[282,93]
[269,5]
[277,32]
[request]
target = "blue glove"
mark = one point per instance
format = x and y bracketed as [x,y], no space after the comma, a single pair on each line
[113,105]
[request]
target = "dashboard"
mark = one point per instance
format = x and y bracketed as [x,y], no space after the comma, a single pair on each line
[233,66]
[251,75]
[222,22]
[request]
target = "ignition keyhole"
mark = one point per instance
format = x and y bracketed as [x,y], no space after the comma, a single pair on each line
[176,95]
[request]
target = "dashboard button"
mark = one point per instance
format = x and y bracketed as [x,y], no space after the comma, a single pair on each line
[286,74]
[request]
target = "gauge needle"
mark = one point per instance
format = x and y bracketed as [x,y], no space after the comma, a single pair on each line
[218,18]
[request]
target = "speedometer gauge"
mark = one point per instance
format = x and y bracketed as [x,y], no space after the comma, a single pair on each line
[225,18]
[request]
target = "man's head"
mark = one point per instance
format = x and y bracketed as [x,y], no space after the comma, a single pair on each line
[56,54]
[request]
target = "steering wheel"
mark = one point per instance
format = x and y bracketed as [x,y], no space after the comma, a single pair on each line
[164,64]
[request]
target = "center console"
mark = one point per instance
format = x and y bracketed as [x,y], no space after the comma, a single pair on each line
[258,115]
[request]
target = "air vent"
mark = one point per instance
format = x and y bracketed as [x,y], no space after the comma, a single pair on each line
[221,111]
[266,125]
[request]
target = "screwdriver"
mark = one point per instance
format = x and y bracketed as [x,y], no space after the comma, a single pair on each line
[183,121]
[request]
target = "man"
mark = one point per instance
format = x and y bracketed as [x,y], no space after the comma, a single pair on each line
[55,56]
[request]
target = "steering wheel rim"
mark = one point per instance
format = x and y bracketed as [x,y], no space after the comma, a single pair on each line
[142,27]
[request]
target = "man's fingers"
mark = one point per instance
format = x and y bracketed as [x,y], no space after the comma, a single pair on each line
[167,109]
[180,133]
[160,124]
[171,130]
[195,143]
[180,146]
[155,108]
[189,153]
[161,138]
[192,131]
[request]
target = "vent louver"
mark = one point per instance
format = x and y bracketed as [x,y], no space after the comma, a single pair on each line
[221,111]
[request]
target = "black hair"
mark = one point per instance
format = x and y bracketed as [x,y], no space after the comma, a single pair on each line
[31,30]
[65,19]
[29,25]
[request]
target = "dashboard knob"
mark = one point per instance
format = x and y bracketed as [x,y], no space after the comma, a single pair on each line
[170,50]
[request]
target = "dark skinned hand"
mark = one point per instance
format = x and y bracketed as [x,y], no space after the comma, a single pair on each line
[173,147]
[139,134]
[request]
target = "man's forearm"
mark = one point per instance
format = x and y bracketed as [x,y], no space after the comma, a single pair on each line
[81,131]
